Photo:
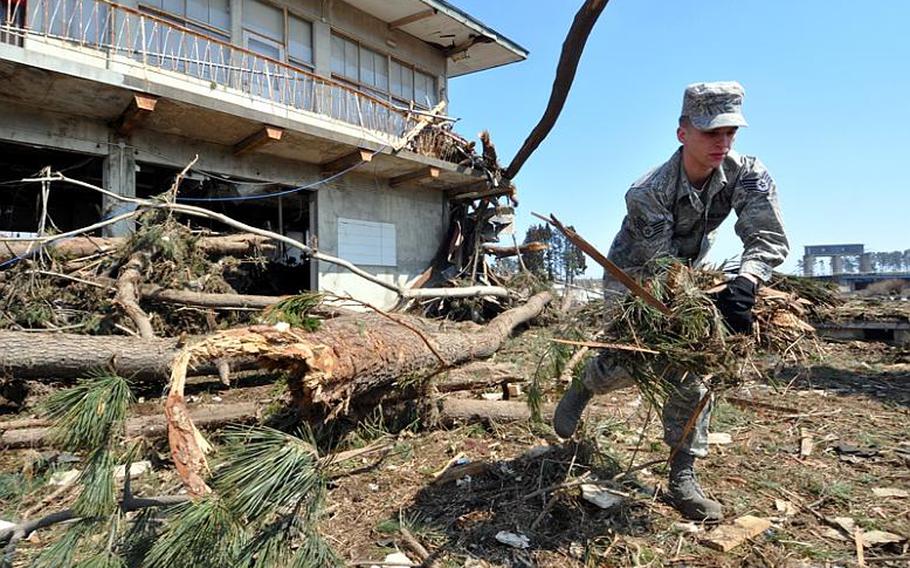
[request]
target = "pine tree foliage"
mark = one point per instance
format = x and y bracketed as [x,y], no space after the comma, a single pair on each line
[266,471]
[205,533]
[269,494]
[86,416]
[295,311]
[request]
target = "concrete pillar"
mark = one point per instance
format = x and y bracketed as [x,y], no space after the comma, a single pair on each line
[837,264]
[119,176]
[236,9]
[865,262]
[322,48]
[808,265]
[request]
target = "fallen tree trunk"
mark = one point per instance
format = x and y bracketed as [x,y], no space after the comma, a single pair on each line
[346,357]
[75,247]
[206,299]
[25,355]
[205,416]
[349,357]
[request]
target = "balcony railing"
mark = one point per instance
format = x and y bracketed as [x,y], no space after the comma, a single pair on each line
[134,37]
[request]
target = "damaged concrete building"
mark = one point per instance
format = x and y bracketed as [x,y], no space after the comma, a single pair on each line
[295,108]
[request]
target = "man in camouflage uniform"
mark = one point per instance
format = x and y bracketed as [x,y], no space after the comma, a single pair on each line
[673,211]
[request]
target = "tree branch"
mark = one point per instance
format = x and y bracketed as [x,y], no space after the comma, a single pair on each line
[565,73]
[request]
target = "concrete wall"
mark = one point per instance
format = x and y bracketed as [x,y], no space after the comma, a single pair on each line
[419,214]
[420,219]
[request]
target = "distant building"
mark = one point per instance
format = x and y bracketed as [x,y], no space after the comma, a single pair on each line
[271,95]
[851,266]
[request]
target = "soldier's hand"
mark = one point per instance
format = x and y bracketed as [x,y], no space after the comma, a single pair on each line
[735,303]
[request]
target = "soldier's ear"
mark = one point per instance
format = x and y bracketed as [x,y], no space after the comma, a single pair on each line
[681,134]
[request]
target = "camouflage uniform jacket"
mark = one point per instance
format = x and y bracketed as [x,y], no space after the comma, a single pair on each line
[667,217]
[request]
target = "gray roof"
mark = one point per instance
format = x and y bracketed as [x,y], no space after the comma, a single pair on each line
[470,44]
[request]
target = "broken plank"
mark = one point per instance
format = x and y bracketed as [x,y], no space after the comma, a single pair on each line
[806,443]
[259,139]
[423,173]
[728,537]
[356,157]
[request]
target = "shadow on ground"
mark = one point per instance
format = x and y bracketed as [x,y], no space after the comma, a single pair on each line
[470,512]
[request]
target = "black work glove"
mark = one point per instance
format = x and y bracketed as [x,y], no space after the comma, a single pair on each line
[735,303]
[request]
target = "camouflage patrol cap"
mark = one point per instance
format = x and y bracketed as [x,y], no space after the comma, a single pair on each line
[714,105]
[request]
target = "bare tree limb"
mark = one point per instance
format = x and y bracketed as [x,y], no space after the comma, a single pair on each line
[194,211]
[565,73]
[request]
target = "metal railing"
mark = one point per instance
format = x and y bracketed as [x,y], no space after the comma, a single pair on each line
[138,38]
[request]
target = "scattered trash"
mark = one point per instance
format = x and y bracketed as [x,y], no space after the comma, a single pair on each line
[491,396]
[463,482]
[70,476]
[689,527]
[719,438]
[514,390]
[784,507]
[603,498]
[875,538]
[845,450]
[890,492]
[62,478]
[136,469]
[395,560]
[536,452]
[217,398]
[846,523]
[514,540]
[806,443]
[373,487]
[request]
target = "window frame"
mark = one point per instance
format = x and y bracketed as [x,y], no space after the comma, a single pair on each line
[386,94]
[191,24]
[286,34]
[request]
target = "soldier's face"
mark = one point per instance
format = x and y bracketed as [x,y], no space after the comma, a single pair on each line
[707,148]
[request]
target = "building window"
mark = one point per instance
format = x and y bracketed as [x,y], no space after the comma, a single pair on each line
[210,13]
[345,58]
[380,75]
[300,40]
[425,89]
[367,242]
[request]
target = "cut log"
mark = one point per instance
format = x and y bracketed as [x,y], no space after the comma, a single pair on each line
[84,246]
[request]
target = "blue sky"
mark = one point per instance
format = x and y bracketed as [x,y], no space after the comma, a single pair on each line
[827,98]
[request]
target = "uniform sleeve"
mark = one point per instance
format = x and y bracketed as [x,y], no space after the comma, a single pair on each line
[759,222]
[646,232]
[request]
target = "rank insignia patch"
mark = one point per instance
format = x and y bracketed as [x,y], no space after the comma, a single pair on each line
[760,183]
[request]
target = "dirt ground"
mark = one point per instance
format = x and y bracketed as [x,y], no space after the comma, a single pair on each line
[852,406]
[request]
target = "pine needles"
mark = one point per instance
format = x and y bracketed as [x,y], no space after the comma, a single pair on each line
[295,311]
[86,415]
[264,513]
[694,338]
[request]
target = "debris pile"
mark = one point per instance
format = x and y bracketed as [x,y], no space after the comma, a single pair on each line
[693,337]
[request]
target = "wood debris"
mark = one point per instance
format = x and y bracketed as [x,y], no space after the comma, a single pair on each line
[728,537]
